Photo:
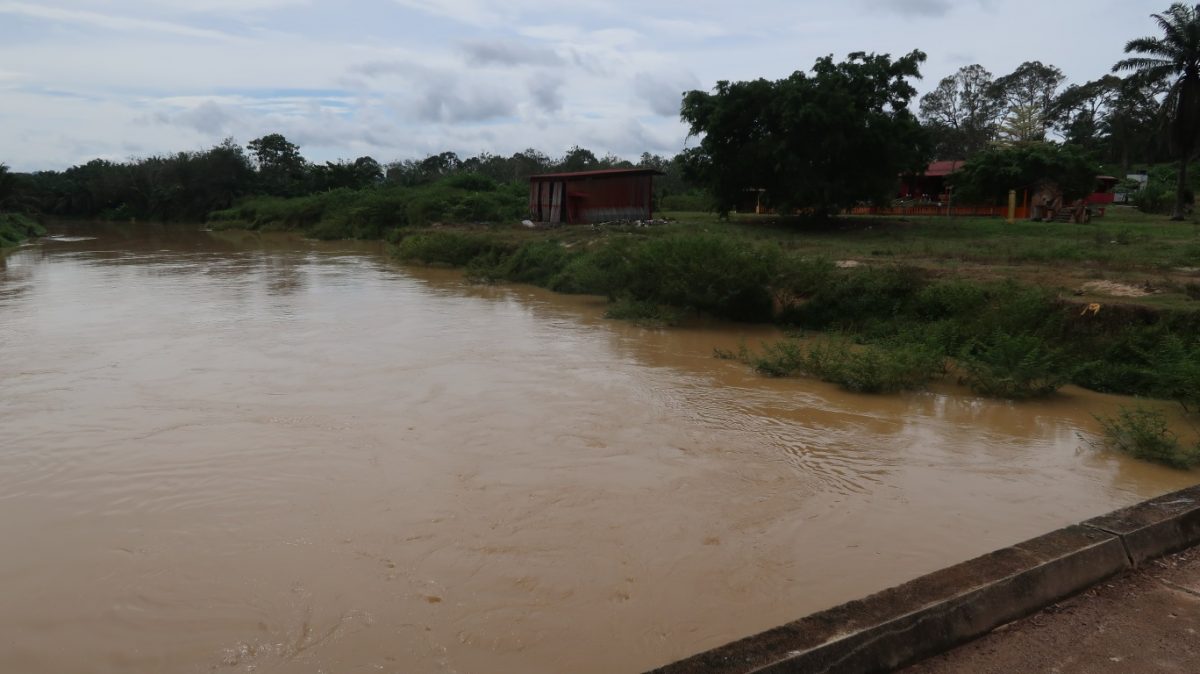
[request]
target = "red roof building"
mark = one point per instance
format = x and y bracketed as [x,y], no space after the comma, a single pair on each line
[593,196]
[931,184]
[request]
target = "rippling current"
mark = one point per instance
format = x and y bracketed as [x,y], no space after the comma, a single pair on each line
[239,452]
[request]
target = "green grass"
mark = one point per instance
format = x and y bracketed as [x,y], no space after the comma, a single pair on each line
[16,228]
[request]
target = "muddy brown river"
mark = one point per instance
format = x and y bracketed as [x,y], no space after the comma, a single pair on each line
[244,453]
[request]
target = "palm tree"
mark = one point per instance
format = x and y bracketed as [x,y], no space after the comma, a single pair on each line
[1174,55]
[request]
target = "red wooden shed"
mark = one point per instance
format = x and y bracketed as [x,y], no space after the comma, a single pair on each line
[593,196]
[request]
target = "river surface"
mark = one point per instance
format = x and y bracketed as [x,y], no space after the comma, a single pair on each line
[244,453]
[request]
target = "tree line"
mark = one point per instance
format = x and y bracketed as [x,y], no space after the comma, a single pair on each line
[817,141]
[188,186]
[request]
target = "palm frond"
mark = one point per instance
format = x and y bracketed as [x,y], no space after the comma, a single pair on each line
[1151,46]
[1141,64]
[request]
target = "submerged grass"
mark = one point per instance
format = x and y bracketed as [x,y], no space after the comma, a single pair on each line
[1145,434]
[875,368]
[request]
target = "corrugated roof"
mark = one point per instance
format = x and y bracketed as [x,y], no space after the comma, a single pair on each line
[609,173]
[943,168]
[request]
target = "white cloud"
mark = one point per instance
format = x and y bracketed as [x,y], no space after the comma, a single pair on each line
[87,78]
[108,21]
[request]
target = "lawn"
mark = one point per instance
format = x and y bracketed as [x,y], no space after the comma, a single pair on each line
[1125,256]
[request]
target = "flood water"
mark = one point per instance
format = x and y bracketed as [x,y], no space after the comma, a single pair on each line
[236,453]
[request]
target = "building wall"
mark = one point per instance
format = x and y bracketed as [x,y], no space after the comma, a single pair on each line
[595,199]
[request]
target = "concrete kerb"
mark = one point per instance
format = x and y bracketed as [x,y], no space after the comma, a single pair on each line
[937,612]
[1157,527]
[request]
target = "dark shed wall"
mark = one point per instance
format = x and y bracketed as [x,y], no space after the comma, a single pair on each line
[592,198]
[615,198]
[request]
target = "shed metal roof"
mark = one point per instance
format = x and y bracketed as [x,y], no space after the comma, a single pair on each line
[603,173]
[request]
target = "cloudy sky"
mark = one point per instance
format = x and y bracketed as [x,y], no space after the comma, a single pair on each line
[399,79]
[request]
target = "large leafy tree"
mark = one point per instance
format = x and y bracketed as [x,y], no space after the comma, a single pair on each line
[1027,95]
[818,141]
[1174,57]
[281,168]
[962,113]
[1080,113]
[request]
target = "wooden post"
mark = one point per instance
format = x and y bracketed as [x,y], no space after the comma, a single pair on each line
[1012,206]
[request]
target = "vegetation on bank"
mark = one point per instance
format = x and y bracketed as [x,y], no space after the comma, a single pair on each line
[16,228]
[346,213]
[1146,434]
[899,324]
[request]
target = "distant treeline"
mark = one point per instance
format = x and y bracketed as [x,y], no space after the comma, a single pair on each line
[817,141]
[188,186]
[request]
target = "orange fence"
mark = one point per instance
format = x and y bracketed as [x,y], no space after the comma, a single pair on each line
[1022,212]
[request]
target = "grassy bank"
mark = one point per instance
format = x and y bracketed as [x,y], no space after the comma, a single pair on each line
[16,228]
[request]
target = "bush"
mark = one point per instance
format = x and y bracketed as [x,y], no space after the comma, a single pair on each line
[1144,434]
[718,275]
[882,368]
[537,262]
[1013,366]
[456,249]
[693,202]
[780,359]
[646,314]
[851,299]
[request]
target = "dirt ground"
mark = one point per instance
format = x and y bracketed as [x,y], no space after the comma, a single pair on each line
[1144,622]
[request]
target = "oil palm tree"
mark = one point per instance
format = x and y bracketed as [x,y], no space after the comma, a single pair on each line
[1175,55]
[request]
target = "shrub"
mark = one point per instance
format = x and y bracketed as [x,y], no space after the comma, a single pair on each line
[537,262]
[1144,434]
[646,314]
[780,359]
[1013,366]
[718,275]
[880,368]
[692,201]
[850,299]
[456,249]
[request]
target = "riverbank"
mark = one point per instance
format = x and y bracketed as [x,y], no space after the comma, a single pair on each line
[16,228]
[994,302]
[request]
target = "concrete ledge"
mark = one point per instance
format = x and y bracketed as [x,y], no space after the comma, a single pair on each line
[927,615]
[937,612]
[1157,527]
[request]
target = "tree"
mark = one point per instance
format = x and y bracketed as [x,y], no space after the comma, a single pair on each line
[1132,124]
[1024,124]
[579,159]
[1080,113]
[8,185]
[1029,91]
[822,141]
[961,112]
[989,176]
[1174,56]
[281,169]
